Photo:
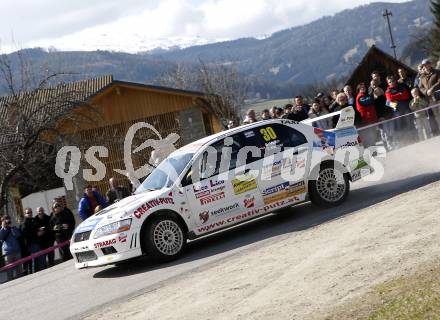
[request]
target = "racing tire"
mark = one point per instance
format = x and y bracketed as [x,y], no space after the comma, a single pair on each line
[331,187]
[164,238]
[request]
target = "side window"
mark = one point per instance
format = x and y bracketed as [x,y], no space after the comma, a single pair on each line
[288,137]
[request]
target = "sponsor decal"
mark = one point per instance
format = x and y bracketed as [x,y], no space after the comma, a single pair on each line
[297,188]
[151,204]
[242,186]
[199,188]
[300,163]
[212,198]
[346,132]
[284,121]
[360,164]
[216,183]
[80,249]
[122,238]
[348,144]
[277,193]
[103,244]
[274,169]
[326,140]
[356,175]
[225,209]
[249,134]
[247,215]
[202,194]
[249,202]
[204,216]
[275,189]
[287,163]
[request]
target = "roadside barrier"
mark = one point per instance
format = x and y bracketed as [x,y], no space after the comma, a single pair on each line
[395,118]
[33,256]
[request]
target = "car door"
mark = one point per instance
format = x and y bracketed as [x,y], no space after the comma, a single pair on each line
[220,194]
[283,171]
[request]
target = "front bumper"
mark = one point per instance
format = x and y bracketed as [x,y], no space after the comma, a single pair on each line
[106,250]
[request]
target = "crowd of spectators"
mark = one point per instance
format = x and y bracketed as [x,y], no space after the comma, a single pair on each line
[41,231]
[374,101]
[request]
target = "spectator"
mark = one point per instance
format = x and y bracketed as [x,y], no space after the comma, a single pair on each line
[45,237]
[288,108]
[29,233]
[430,87]
[231,124]
[398,98]
[317,111]
[88,203]
[324,103]
[278,113]
[116,193]
[367,110]
[340,102]
[300,112]
[349,93]
[333,94]
[375,75]
[300,106]
[421,118]
[62,224]
[383,112]
[265,114]
[250,117]
[9,239]
[403,78]
[420,70]
[273,112]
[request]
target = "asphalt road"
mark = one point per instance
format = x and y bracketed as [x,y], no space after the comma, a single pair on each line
[64,292]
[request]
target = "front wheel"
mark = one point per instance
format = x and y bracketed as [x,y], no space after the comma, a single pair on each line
[331,187]
[164,238]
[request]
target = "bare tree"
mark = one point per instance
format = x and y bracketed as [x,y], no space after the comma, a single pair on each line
[224,87]
[32,118]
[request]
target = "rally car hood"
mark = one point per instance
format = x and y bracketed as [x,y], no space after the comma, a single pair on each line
[120,210]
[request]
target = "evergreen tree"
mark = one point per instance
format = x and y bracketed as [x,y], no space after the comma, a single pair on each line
[435,31]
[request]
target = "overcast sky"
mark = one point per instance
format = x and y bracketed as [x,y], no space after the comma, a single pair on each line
[47,22]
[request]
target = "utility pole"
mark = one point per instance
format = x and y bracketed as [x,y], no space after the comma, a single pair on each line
[387,15]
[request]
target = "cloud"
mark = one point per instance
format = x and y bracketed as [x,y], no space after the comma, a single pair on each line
[81,21]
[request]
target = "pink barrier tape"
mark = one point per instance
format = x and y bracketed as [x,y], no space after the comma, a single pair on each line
[34,255]
[392,119]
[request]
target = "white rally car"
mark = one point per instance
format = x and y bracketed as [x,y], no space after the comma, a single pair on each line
[223,180]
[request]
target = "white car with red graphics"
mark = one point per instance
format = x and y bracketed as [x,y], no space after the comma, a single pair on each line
[223,180]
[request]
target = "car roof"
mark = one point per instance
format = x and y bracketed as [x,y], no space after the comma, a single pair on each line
[217,136]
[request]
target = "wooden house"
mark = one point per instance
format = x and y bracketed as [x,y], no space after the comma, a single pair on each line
[377,60]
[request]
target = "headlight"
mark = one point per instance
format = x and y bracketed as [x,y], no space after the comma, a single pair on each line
[115,227]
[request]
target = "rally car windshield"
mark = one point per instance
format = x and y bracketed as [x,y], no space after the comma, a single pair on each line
[166,173]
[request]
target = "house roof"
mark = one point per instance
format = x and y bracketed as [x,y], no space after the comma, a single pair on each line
[374,59]
[79,92]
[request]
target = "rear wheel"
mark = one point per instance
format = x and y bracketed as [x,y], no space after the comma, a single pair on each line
[164,238]
[331,187]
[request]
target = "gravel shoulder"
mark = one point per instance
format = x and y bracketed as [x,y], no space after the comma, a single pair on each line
[303,274]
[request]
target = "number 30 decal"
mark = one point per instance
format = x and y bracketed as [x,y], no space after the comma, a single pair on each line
[268,134]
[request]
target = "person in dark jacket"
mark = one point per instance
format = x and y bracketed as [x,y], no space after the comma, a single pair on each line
[29,232]
[45,237]
[62,224]
[116,193]
[89,202]
[9,240]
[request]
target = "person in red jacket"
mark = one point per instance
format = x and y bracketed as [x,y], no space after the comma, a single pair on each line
[365,105]
[398,97]
[367,110]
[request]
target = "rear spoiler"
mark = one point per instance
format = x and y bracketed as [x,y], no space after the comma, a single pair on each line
[346,118]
